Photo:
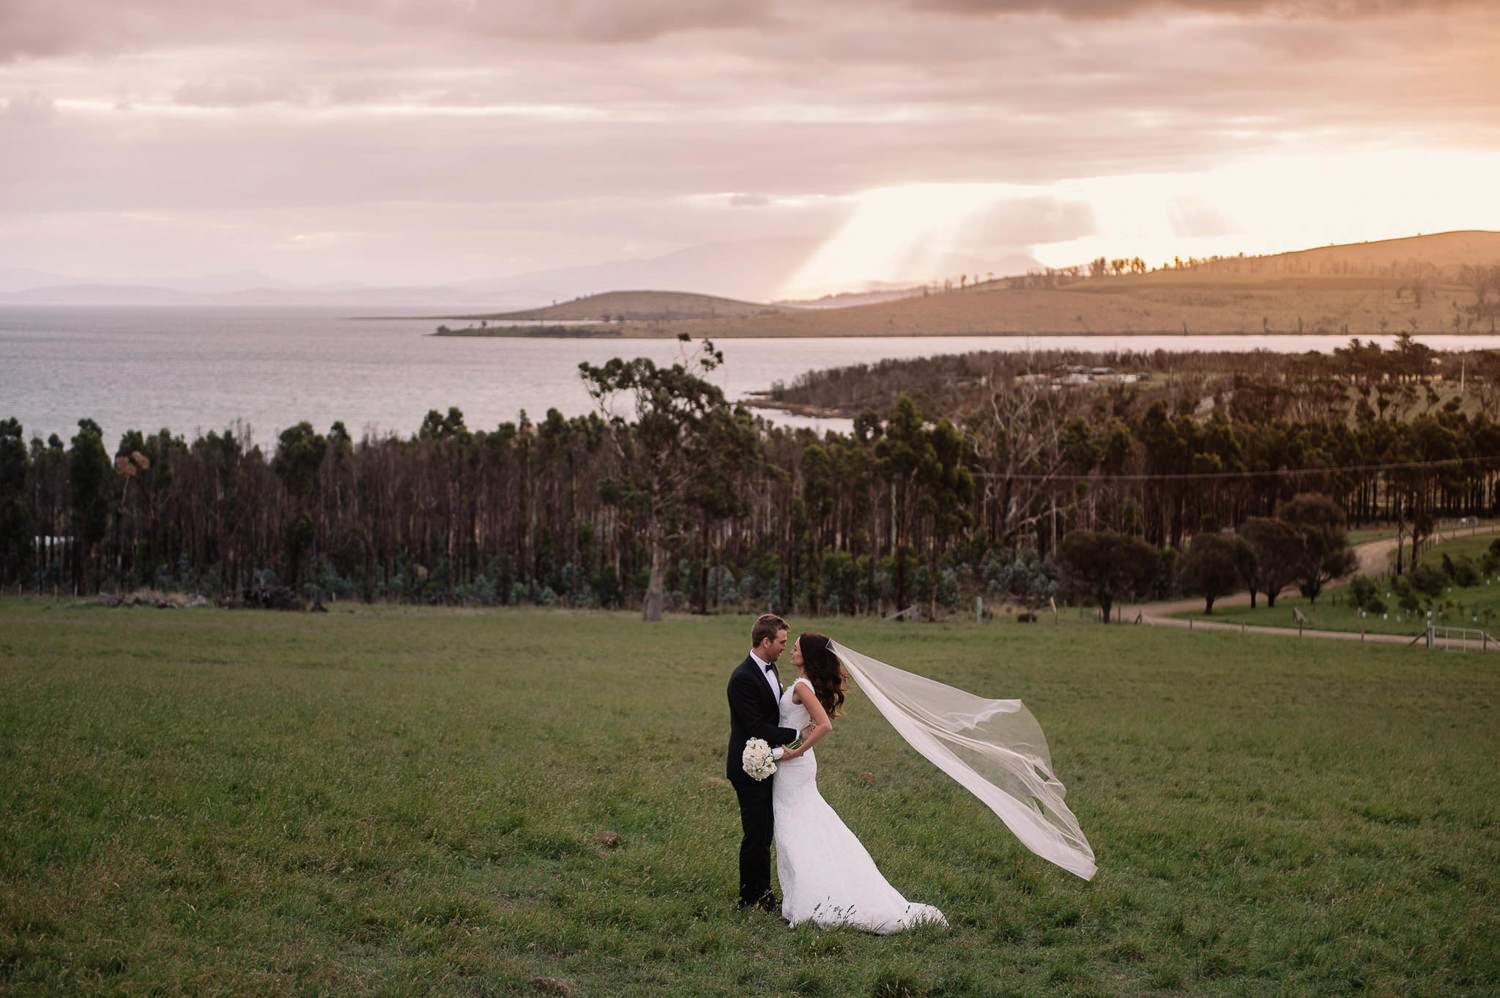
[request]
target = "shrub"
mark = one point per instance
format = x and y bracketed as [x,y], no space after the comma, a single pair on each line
[480,591]
[1427,580]
[947,587]
[327,581]
[606,587]
[918,586]
[1021,574]
[721,583]
[1465,572]
[1407,596]
[1362,591]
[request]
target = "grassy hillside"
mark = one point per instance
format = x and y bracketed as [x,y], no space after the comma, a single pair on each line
[1446,251]
[1391,286]
[402,802]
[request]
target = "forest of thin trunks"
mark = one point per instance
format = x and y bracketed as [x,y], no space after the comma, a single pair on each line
[948,474]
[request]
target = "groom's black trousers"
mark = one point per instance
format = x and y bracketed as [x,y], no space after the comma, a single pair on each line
[756,817]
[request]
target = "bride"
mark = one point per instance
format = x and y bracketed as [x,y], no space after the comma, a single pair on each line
[826,875]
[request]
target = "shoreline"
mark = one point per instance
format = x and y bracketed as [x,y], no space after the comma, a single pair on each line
[573,332]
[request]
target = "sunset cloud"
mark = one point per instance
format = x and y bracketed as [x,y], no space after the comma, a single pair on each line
[1083,9]
[529,135]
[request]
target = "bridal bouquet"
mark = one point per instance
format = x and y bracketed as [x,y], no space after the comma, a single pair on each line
[759,759]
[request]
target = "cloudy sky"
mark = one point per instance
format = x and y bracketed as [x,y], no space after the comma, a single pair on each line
[441,141]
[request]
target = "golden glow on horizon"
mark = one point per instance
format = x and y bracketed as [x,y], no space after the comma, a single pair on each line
[1269,205]
[897,234]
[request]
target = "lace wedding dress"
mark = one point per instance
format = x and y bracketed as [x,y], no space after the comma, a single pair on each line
[826,875]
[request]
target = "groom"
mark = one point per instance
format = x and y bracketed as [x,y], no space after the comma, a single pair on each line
[754,710]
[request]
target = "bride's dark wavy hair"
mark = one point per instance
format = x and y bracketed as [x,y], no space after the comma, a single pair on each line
[824,671]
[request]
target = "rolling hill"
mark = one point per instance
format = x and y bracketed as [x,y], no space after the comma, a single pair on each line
[1415,284]
[637,306]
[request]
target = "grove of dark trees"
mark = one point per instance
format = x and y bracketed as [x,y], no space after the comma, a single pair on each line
[959,477]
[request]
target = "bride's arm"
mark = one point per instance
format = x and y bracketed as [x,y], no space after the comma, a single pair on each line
[821,725]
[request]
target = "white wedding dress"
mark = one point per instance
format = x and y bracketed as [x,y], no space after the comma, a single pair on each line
[826,875]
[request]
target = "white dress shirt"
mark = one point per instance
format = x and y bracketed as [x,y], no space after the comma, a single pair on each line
[769,676]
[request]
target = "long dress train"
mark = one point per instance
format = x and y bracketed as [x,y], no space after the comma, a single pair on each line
[826,874]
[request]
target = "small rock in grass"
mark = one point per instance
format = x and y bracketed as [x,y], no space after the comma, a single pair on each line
[553,986]
[607,839]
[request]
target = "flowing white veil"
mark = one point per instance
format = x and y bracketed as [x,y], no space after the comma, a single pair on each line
[994,748]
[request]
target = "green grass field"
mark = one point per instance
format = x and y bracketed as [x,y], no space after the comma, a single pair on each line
[399,801]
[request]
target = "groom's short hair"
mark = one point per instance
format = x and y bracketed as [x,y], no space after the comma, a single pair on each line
[766,626]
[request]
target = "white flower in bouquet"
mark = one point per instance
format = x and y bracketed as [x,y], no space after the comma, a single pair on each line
[759,759]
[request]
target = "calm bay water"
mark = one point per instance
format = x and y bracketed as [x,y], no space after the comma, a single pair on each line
[191,370]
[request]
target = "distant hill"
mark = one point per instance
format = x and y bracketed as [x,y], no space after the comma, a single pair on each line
[1391,286]
[637,306]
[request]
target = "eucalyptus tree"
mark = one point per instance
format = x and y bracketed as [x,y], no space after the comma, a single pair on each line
[299,455]
[1216,565]
[947,490]
[1321,526]
[815,471]
[667,454]
[241,516]
[727,455]
[1278,550]
[1105,566]
[48,492]
[445,450]
[1015,436]
[1167,455]
[857,503]
[17,516]
[143,474]
[90,474]
[567,450]
[343,542]
[901,450]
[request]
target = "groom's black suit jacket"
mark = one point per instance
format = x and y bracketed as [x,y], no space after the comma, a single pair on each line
[753,713]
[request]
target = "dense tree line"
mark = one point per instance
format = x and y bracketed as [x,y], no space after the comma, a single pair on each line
[669,496]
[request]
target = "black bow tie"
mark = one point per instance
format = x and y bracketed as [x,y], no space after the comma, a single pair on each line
[771,668]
